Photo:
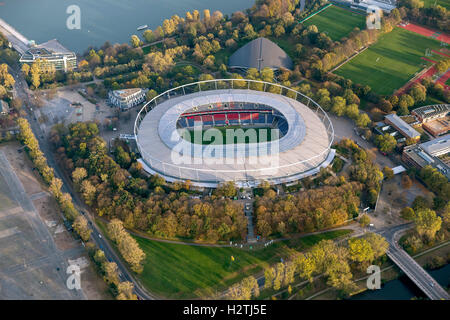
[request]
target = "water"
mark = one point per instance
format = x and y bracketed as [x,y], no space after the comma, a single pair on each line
[403,288]
[101,20]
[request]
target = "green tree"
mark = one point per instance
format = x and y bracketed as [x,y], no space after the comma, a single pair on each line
[386,143]
[427,223]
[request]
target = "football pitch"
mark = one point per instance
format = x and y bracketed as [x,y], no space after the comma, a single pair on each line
[337,22]
[391,62]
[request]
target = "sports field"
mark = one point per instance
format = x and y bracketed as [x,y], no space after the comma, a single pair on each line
[391,62]
[337,22]
[249,134]
[178,271]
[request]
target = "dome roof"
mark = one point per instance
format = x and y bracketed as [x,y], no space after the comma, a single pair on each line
[260,53]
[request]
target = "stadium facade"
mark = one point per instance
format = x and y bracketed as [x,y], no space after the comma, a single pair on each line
[302,143]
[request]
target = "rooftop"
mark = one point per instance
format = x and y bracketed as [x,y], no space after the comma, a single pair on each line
[436,146]
[429,111]
[123,93]
[260,53]
[402,125]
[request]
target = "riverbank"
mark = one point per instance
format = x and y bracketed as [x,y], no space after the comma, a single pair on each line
[395,285]
[101,20]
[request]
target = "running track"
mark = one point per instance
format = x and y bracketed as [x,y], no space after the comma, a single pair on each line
[427,32]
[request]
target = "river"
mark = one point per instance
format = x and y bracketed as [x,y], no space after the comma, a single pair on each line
[403,288]
[101,20]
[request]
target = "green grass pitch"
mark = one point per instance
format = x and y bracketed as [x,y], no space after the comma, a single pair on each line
[337,22]
[391,62]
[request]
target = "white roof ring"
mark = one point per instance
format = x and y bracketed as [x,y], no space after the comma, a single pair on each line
[302,151]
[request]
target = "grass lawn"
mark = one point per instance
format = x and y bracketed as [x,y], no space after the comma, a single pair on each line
[442,3]
[337,22]
[265,132]
[179,271]
[391,62]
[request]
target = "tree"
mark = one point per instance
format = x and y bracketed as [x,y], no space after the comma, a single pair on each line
[407,213]
[125,290]
[269,275]
[111,273]
[360,251]
[78,175]
[135,41]
[279,275]
[386,143]
[305,266]
[363,120]
[35,74]
[352,111]
[406,181]
[80,225]
[388,173]
[427,223]
[378,243]
[386,106]
[442,65]
[364,221]
[338,105]
[149,36]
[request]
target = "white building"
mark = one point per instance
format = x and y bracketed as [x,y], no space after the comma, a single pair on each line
[127,98]
[52,54]
[438,146]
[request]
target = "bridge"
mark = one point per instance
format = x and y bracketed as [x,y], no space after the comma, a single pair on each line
[17,40]
[410,267]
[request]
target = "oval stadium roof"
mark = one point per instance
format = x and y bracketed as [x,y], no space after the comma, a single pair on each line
[260,53]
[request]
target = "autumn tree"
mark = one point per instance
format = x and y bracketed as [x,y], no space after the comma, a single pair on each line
[125,290]
[80,225]
[427,223]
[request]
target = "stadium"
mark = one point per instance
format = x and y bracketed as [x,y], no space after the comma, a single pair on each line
[277,134]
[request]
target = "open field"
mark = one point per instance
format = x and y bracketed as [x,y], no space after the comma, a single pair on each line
[35,247]
[391,62]
[178,271]
[337,22]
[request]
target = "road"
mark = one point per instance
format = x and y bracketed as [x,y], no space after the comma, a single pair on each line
[18,41]
[22,91]
[410,267]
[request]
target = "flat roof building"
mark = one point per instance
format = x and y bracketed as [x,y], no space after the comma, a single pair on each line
[415,156]
[405,129]
[430,113]
[127,98]
[437,147]
[52,54]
